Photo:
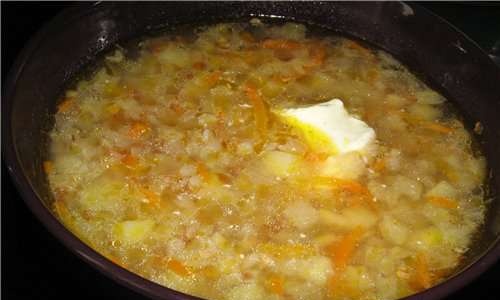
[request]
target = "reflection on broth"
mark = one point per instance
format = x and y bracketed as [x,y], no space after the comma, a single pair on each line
[254,161]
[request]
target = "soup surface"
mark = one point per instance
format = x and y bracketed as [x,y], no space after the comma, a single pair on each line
[181,165]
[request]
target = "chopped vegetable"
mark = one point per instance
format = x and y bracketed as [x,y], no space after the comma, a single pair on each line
[259,110]
[48,166]
[280,44]
[443,202]
[65,106]
[151,197]
[178,268]
[133,231]
[423,275]
[213,78]
[279,163]
[137,130]
[275,284]
[438,128]
[129,160]
[341,252]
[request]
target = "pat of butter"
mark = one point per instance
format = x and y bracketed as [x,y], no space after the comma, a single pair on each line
[329,128]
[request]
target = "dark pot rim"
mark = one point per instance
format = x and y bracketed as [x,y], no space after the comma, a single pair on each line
[127,278]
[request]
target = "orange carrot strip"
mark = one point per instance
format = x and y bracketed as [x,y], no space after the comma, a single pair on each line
[362,195]
[178,267]
[199,65]
[129,160]
[176,107]
[379,165]
[356,46]
[203,171]
[341,252]
[115,260]
[280,44]
[137,130]
[351,186]
[318,55]
[65,105]
[423,276]
[209,272]
[275,285]
[60,208]
[437,128]
[48,166]
[315,156]
[259,109]
[151,197]
[212,79]
[443,202]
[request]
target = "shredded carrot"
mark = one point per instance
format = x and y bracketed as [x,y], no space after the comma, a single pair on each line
[48,166]
[60,207]
[317,55]
[351,186]
[437,128]
[282,78]
[360,194]
[280,44]
[275,284]
[151,197]
[342,251]
[443,202]
[137,130]
[199,65]
[423,275]
[65,105]
[340,288]
[129,160]
[209,272]
[333,282]
[202,170]
[356,46]
[176,107]
[379,165]
[259,109]
[178,268]
[315,156]
[115,260]
[223,178]
[213,78]
[247,37]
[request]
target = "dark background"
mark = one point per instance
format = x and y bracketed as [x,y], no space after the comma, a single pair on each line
[36,266]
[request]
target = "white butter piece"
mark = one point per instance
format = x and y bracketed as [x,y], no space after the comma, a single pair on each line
[328,127]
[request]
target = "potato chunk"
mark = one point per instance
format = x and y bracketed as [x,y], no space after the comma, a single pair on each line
[345,166]
[301,214]
[279,163]
[133,231]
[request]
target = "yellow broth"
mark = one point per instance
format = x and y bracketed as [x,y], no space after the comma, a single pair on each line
[173,166]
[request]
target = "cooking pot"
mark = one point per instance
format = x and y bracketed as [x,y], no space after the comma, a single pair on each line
[435,51]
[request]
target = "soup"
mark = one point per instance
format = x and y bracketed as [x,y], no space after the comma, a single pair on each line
[258,161]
